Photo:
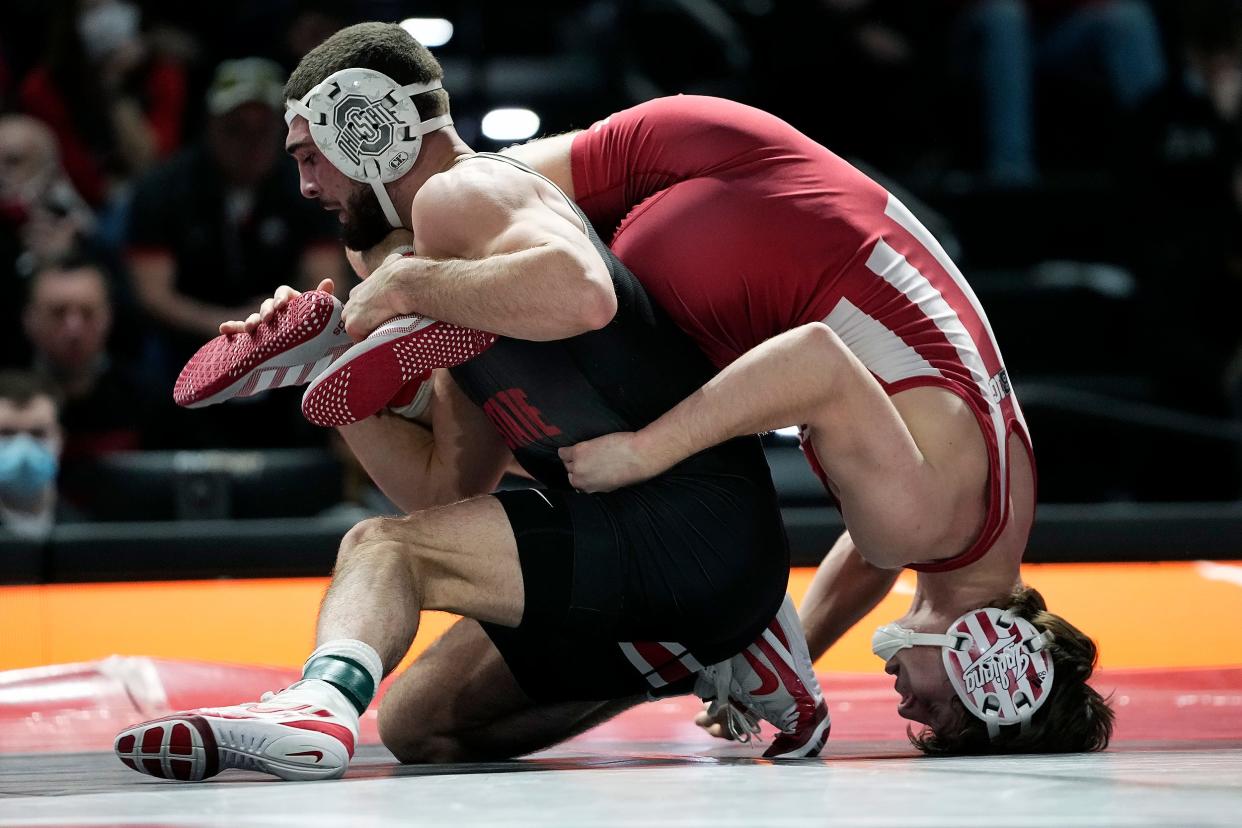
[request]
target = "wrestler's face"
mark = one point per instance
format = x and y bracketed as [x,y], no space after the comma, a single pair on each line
[927,696]
[363,224]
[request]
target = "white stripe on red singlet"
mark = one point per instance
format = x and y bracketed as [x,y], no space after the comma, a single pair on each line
[893,267]
[901,214]
[883,352]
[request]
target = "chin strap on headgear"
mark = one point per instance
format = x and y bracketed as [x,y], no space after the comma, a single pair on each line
[367,126]
[996,661]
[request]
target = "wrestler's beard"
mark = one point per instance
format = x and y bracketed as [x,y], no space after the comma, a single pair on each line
[365,223]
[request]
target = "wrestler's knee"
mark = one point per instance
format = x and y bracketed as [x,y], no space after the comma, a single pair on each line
[381,540]
[416,736]
[359,542]
[816,339]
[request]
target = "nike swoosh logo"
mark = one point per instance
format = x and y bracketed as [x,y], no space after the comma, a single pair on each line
[317,754]
[767,678]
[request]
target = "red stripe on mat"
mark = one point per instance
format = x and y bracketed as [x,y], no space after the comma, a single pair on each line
[81,707]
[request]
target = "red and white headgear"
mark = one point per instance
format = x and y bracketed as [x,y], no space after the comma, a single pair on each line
[996,661]
[367,126]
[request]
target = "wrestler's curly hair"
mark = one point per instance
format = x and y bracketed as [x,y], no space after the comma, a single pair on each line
[1074,719]
[384,47]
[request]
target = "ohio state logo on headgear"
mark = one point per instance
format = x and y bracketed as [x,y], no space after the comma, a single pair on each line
[366,127]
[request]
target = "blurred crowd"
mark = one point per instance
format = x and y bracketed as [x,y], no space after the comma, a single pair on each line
[144,195]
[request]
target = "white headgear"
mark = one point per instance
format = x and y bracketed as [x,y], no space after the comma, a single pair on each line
[996,662]
[367,126]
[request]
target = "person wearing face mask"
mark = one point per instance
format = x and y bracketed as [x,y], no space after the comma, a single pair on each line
[30,444]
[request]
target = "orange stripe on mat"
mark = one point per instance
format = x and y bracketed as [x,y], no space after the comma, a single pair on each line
[1143,615]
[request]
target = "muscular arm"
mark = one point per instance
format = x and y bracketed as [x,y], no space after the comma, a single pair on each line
[460,456]
[155,286]
[498,250]
[845,589]
[775,384]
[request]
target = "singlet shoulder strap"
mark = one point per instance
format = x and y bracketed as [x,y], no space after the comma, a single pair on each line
[513,162]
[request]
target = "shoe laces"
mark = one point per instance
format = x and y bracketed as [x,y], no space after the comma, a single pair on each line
[741,725]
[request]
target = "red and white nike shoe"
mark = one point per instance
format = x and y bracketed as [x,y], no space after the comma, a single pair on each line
[291,734]
[368,376]
[301,341]
[772,679]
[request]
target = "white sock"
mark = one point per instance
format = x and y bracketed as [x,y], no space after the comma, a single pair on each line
[337,664]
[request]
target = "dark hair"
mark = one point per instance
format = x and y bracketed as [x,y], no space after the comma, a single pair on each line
[384,47]
[1074,719]
[74,260]
[22,387]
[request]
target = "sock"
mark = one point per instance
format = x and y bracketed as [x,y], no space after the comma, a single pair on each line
[351,666]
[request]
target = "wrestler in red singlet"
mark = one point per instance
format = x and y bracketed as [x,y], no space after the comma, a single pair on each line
[742,228]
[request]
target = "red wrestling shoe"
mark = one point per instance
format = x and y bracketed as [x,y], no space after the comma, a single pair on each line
[772,679]
[300,342]
[300,734]
[368,376]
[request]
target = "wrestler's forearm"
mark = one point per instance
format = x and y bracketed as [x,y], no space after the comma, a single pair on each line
[418,467]
[543,293]
[845,589]
[399,457]
[781,382]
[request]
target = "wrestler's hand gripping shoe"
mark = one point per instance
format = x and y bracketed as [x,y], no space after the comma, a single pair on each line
[772,679]
[377,372]
[303,339]
[305,732]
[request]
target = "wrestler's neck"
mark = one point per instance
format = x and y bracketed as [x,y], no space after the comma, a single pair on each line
[940,598]
[440,151]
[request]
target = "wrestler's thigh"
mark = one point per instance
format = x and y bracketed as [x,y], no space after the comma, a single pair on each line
[463,557]
[460,702]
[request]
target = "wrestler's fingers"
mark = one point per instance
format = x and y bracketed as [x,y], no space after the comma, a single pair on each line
[282,296]
[327,286]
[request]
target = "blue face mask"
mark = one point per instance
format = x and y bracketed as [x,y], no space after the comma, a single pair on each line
[26,467]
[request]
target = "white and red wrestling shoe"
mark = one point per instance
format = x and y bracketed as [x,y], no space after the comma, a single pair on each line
[368,376]
[772,679]
[298,734]
[301,341]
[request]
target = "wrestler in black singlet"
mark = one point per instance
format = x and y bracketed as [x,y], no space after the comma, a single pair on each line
[695,558]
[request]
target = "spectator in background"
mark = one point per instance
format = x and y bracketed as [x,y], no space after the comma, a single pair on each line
[115,107]
[221,225]
[30,442]
[41,217]
[67,318]
[1184,188]
[1113,44]
[218,228]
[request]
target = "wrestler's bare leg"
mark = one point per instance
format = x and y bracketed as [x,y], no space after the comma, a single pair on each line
[460,558]
[459,702]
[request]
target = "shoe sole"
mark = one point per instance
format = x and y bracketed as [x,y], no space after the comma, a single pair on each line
[808,749]
[192,748]
[301,342]
[364,379]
